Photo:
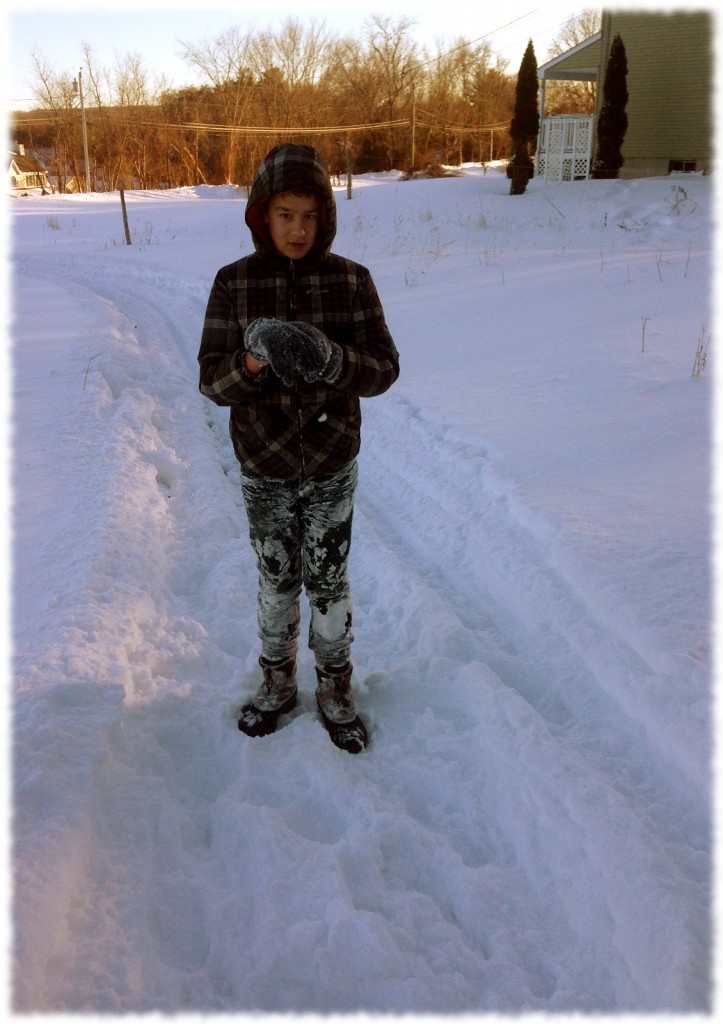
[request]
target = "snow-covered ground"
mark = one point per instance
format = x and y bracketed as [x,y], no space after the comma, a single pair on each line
[529,829]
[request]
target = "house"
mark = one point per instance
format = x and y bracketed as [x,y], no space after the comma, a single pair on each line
[670,97]
[26,174]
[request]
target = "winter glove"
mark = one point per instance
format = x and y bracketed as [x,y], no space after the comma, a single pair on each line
[292,346]
[272,342]
[316,356]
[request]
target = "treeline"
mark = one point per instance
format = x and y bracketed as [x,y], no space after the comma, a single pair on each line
[373,102]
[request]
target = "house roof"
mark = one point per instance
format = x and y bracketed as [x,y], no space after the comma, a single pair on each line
[26,164]
[580,64]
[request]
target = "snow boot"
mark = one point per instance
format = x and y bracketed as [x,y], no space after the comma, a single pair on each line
[275,696]
[336,704]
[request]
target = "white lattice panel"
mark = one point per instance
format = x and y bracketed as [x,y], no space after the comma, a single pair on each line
[565,148]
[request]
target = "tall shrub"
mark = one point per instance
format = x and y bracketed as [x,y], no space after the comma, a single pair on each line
[613,120]
[525,123]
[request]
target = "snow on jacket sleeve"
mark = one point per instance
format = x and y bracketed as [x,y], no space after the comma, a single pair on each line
[223,374]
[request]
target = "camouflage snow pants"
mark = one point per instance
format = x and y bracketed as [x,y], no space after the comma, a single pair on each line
[300,531]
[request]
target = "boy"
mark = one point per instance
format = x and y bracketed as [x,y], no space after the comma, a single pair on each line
[294,336]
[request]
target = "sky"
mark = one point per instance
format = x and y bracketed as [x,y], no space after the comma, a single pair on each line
[156,33]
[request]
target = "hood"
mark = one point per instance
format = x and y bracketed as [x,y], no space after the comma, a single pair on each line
[291,168]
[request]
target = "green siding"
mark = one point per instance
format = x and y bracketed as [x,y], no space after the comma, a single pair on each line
[670,81]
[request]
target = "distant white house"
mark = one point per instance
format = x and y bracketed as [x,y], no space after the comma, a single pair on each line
[25,174]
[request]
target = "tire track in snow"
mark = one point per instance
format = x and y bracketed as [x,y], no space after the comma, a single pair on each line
[451,513]
[564,751]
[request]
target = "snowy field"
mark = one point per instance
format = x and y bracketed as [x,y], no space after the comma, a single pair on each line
[529,829]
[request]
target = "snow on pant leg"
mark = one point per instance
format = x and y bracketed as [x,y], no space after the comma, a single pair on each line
[271,508]
[326,511]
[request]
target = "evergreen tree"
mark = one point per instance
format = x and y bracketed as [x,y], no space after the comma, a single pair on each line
[613,120]
[525,123]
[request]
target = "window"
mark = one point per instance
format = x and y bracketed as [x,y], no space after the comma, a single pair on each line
[678,166]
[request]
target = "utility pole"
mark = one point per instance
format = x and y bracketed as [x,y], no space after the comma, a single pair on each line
[348,165]
[78,87]
[414,120]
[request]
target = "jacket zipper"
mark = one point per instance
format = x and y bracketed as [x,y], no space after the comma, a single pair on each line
[291,308]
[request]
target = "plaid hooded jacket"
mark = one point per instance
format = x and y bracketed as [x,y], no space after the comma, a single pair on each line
[307,430]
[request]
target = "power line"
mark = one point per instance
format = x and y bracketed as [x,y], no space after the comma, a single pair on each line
[471,42]
[241,129]
[273,129]
[467,129]
[325,130]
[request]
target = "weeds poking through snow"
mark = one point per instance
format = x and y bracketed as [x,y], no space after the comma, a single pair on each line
[681,203]
[659,260]
[87,369]
[687,262]
[645,321]
[701,354]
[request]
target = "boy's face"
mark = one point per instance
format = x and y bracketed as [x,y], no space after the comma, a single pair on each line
[293,222]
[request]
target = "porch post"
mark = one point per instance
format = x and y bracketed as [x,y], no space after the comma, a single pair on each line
[539,127]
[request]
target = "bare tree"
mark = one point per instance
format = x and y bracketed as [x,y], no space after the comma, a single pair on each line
[384,100]
[298,52]
[288,67]
[55,93]
[225,62]
[575,30]
[463,93]
[573,97]
[393,59]
[136,101]
[189,152]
